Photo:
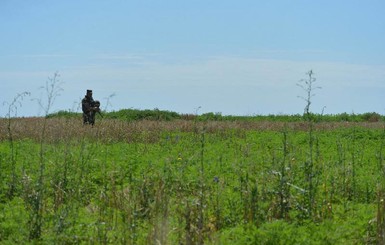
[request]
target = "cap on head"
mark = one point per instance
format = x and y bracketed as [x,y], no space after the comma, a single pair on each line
[89,91]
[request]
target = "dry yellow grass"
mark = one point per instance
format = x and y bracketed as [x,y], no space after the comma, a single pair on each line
[60,129]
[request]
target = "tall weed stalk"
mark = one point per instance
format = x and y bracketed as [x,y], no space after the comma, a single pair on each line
[284,190]
[202,190]
[308,86]
[52,90]
[12,111]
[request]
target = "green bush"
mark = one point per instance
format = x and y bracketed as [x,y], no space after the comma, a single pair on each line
[135,114]
[371,117]
[63,114]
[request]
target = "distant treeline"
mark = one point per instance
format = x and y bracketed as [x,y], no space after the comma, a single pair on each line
[164,115]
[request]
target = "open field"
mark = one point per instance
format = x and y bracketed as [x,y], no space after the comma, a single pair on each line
[191,182]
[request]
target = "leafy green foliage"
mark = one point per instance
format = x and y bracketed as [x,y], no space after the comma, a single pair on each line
[134,114]
[64,114]
[148,182]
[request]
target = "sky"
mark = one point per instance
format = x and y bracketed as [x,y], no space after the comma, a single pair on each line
[243,57]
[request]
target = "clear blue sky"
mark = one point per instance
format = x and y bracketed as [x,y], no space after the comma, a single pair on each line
[234,57]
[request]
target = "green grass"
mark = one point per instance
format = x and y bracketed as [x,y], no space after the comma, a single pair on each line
[188,182]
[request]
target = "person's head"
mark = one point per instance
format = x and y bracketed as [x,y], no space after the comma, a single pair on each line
[89,93]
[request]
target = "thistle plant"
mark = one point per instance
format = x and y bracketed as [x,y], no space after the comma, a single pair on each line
[308,86]
[52,89]
[12,111]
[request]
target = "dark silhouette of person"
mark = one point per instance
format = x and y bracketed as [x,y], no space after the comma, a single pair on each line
[89,108]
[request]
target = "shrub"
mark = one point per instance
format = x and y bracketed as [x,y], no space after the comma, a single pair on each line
[135,114]
[63,114]
[371,117]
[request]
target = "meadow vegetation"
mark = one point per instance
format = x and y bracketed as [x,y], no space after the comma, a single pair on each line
[163,115]
[157,177]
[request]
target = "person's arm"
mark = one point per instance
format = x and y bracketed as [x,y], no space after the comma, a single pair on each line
[86,107]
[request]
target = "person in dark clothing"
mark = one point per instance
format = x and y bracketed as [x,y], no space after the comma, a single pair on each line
[89,108]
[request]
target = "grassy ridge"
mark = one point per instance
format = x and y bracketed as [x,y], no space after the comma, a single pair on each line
[190,181]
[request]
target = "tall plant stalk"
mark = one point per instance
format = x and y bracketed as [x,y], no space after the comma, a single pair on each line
[308,85]
[52,90]
[12,111]
[283,183]
[202,191]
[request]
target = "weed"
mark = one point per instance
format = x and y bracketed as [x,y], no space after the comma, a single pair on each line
[12,112]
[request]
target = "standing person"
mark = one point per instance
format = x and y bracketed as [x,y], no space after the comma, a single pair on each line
[89,108]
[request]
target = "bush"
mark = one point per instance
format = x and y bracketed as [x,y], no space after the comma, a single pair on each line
[135,114]
[371,117]
[211,116]
[63,114]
